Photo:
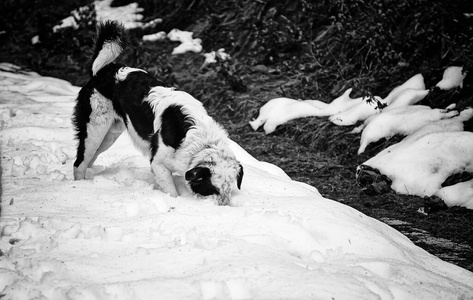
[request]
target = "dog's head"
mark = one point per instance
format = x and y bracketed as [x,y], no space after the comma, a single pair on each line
[216,172]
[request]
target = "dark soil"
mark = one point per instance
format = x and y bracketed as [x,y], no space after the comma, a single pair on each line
[280,48]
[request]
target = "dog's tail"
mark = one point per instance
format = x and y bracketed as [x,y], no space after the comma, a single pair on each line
[109,43]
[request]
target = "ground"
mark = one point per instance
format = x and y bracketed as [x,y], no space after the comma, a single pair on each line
[310,150]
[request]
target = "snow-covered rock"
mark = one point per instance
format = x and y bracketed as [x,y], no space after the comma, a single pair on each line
[113,236]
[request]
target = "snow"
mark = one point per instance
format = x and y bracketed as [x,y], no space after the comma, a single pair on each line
[459,194]
[359,112]
[402,120]
[280,110]
[416,82]
[413,165]
[452,77]
[188,43]
[113,236]
[129,15]
[158,36]
[211,57]
[342,111]
[420,163]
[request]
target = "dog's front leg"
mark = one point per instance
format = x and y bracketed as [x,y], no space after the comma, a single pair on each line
[164,179]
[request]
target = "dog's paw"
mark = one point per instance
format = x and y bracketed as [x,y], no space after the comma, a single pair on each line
[223,201]
[79,174]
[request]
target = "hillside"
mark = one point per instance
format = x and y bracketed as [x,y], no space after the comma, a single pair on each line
[296,49]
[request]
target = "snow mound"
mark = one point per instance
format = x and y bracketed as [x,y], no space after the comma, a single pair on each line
[421,163]
[281,110]
[359,112]
[452,77]
[402,120]
[416,82]
[342,111]
[113,236]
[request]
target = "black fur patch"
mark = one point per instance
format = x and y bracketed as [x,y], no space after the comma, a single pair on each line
[174,126]
[200,183]
[129,95]
[154,144]
[80,118]
[240,177]
[104,80]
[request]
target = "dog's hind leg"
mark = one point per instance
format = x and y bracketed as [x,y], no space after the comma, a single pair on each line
[101,120]
[112,135]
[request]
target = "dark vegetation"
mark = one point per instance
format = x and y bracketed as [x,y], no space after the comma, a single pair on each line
[298,49]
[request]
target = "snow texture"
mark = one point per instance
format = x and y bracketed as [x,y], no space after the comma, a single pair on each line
[281,110]
[129,15]
[421,162]
[403,120]
[158,36]
[342,111]
[213,56]
[188,43]
[452,77]
[113,236]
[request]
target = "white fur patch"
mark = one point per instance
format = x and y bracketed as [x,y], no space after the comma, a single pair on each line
[138,142]
[161,98]
[123,73]
[107,54]
[102,110]
[101,119]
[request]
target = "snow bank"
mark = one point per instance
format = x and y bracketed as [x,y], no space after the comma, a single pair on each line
[343,110]
[401,120]
[419,164]
[113,236]
[281,110]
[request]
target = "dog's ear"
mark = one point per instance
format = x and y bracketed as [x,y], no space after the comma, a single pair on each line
[200,182]
[240,177]
[197,174]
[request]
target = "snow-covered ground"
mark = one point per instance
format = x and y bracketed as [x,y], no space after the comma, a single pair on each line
[113,236]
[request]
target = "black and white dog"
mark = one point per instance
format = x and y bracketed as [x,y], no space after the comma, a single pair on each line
[171,127]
